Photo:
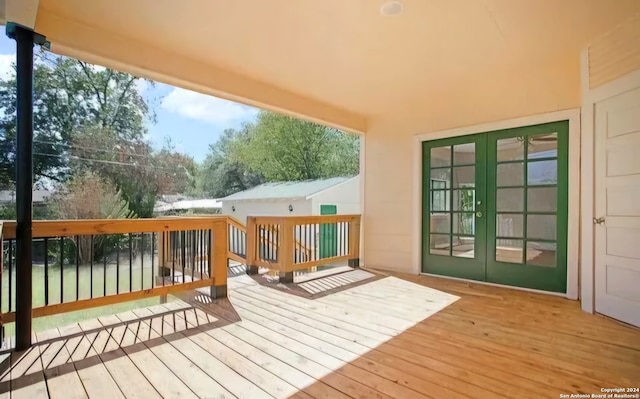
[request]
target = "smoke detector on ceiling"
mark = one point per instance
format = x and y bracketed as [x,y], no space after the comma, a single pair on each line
[391,8]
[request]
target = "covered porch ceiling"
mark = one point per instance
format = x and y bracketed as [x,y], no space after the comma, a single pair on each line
[337,62]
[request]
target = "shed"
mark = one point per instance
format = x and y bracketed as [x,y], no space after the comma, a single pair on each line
[337,195]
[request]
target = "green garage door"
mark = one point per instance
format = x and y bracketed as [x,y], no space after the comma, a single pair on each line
[328,233]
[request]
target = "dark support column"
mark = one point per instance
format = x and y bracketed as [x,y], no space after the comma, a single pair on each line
[355,263]
[252,269]
[25,39]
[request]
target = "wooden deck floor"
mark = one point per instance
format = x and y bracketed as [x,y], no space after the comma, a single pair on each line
[399,336]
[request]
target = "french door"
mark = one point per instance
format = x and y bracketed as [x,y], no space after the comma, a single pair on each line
[495,206]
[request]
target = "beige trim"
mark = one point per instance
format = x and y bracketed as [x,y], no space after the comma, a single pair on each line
[573,229]
[589,100]
[124,54]
[495,285]
[22,12]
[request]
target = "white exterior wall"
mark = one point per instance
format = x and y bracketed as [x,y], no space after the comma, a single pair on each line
[346,196]
[278,207]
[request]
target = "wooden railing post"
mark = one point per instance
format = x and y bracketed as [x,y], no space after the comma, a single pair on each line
[219,261]
[354,242]
[252,245]
[286,249]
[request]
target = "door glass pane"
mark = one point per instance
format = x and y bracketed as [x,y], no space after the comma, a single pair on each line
[464,176]
[541,226]
[510,199]
[509,225]
[510,174]
[440,156]
[440,178]
[543,146]
[509,251]
[464,200]
[542,199]
[541,253]
[542,172]
[440,223]
[439,244]
[439,200]
[511,149]
[463,247]
[463,223]
[464,154]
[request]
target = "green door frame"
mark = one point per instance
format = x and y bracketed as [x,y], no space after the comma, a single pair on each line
[484,266]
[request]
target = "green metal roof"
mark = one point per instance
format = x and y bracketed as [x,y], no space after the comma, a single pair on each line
[289,189]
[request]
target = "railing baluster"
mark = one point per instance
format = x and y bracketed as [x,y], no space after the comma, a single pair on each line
[61,269]
[46,271]
[10,272]
[173,275]
[184,253]
[130,263]
[153,256]
[193,253]
[118,265]
[77,267]
[104,277]
[142,261]
[91,267]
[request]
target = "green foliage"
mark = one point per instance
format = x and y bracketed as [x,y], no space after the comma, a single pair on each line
[283,148]
[69,96]
[276,148]
[223,173]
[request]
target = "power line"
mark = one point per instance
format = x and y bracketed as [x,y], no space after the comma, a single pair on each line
[106,162]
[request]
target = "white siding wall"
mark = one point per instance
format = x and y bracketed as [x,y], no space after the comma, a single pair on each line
[265,208]
[346,196]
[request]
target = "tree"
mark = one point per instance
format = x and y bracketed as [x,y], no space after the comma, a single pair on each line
[283,148]
[223,173]
[133,167]
[88,196]
[70,96]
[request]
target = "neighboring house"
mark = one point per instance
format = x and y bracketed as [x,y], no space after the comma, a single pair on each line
[338,195]
[188,205]
[39,197]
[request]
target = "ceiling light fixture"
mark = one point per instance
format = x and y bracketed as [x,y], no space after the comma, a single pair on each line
[391,8]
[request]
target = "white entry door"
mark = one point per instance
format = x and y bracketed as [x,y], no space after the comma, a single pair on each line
[617,207]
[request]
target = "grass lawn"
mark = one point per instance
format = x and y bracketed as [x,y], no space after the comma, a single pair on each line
[104,281]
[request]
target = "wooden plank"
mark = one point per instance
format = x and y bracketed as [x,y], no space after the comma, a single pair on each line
[331,331]
[202,384]
[322,318]
[318,363]
[302,335]
[62,381]
[129,379]
[366,320]
[270,383]
[157,373]
[467,355]
[521,347]
[233,382]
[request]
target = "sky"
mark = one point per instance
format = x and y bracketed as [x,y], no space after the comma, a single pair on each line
[190,120]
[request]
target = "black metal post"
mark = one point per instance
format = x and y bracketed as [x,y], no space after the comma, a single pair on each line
[25,39]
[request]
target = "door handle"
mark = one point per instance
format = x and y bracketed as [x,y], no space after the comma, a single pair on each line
[598,220]
[479,214]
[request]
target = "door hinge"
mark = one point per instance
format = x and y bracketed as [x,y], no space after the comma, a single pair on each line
[598,220]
